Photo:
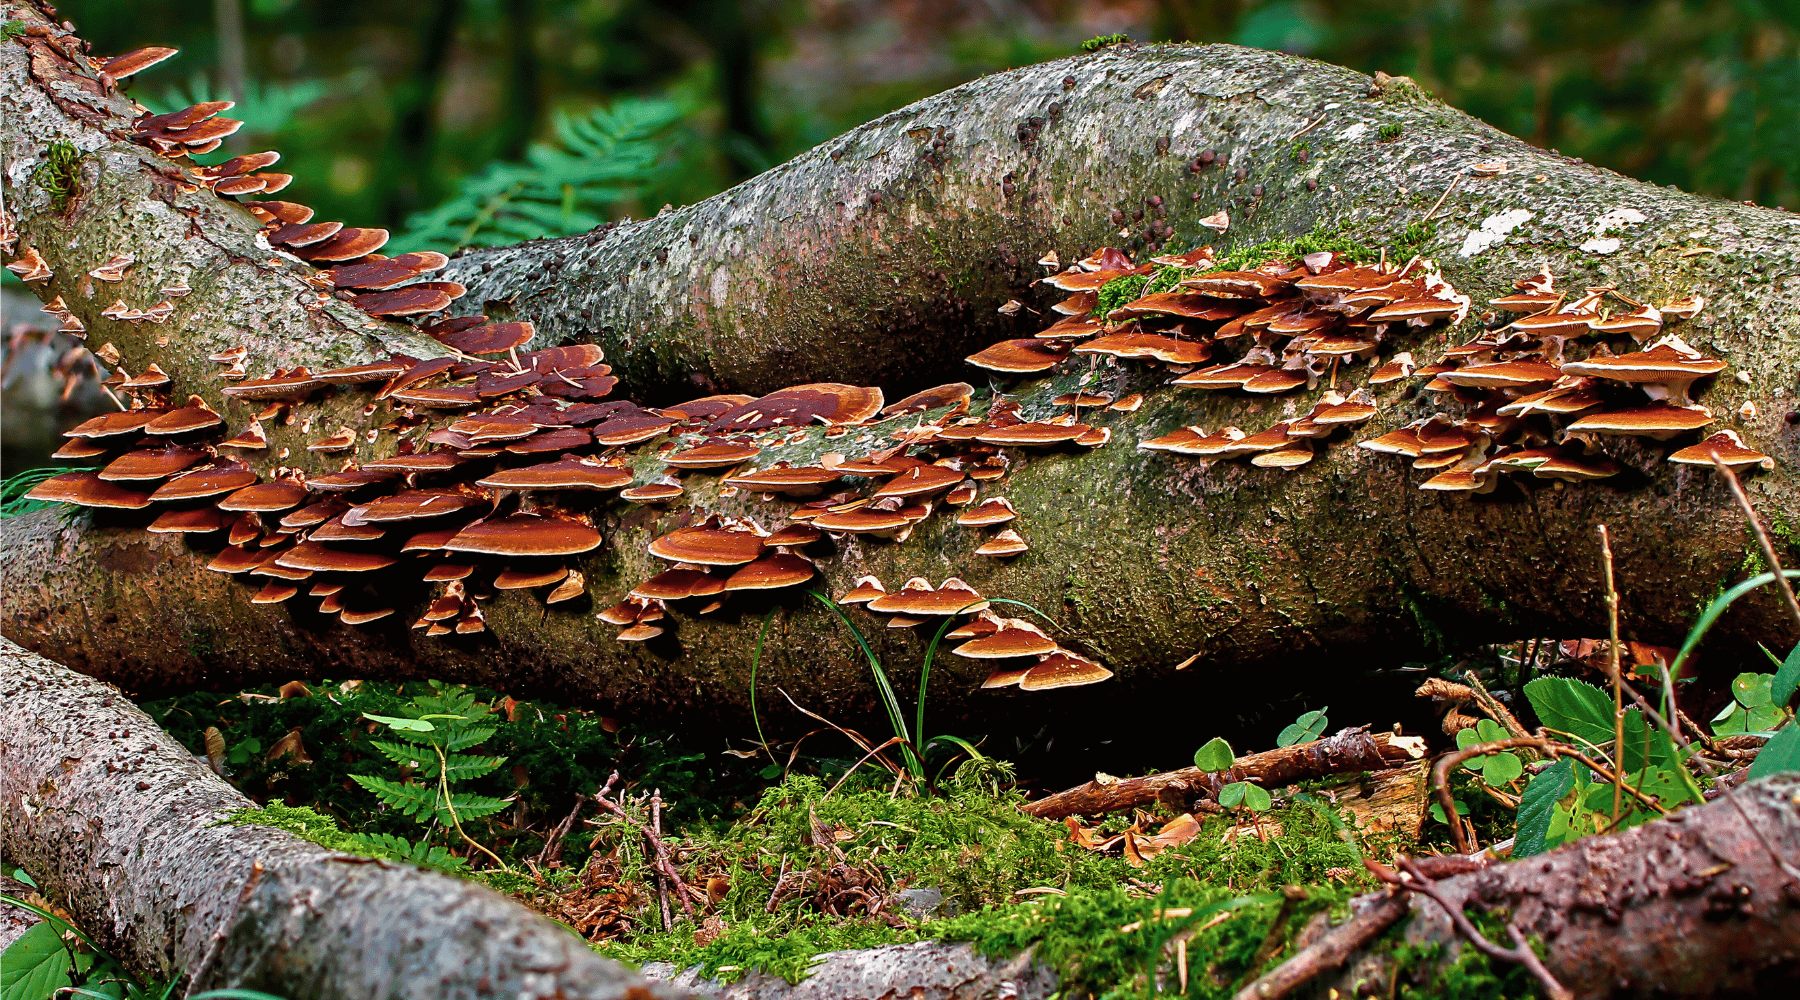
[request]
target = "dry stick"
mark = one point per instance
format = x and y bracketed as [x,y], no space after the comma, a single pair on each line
[1329,952]
[661,864]
[1612,666]
[560,831]
[775,894]
[1522,953]
[1492,706]
[1762,534]
[1440,775]
[1453,182]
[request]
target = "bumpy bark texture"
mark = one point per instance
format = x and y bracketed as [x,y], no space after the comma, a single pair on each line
[1692,905]
[1145,558]
[122,827]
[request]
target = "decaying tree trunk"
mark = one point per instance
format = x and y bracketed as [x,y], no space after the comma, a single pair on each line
[882,256]
[925,970]
[122,827]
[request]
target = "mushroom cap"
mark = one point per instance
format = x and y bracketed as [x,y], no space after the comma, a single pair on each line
[1090,400]
[678,584]
[292,386]
[425,541]
[1558,399]
[1006,542]
[772,572]
[349,479]
[364,617]
[1659,422]
[1662,363]
[779,478]
[918,598]
[76,449]
[1405,441]
[1018,356]
[995,510]
[1455,481]
[379,371]
[1005,677]
[920,480]
[829,403]
[526,535]
[796,535]
[712,456]
[311,514]
[205,482]
[408,505]
[1284,458]
[1279,380]
[88,490]
[631,428]
[282,494]
[1223,376]
[152,463]
[867,589]
[1033,434]
[570,472]
[198,520]
[573,586]
[418,461]
[445,572]
[1504,375]
[525,579]
[1134,344]
[149,378]
[1127,404]
[1063,669]
[443,398]
[114,424]
[1015,637]
[708,546]
[955,394]
[707,407]
[335,530]
[862,520]
[1574,468]
[319,559]
[555,439]
[236,559]
[652,493]
[640,633]
[492,338]
[274,592]
[1729,447]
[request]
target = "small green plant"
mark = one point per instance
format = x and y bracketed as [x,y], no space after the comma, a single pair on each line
[1243,793]
[1119,291]
[12,29]
[321,829]
[1300,152]
[54,958]
[1305,729]
[1496,769]
[1752,708]
[604,158]
[1216,755]
[1099,42]
[1390,131]
[59,174]
[433,734]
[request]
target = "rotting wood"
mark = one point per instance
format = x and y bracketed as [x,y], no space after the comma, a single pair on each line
[1347,751]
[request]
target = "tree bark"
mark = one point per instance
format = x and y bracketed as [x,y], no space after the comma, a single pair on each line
[1345,752]
[120,825]
[926,970]
[805,273]
[1691,905]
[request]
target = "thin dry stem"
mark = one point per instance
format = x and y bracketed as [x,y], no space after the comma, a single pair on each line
[1612,670]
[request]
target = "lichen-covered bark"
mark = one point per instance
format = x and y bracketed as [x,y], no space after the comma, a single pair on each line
[926,970]
[1146,559]
[123,828]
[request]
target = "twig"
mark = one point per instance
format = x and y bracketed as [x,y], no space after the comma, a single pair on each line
[775,894]
[1612,668]
[1440,776]
[1417,881]
[553,844]
[1762,534]
[1453,182]
[1309,128]
[661,864]
[1492,706]
[1329,952]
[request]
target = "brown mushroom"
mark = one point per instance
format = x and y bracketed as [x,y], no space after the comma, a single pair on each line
[1062,669]
[153,463]
[772,572]
[712,456]
[320,559]
[661,491]
[995,510]
[1013,637]
[198,520]
[87,490]
[566,473]
[525,579]
[867,589]
[916,482]
[1019,356]
[1729,448]
[205,482]
[1006,542]
[955,395]
[918,598]
[526,535]
[708,546]
[282,494]
[680,583]
[1658,422]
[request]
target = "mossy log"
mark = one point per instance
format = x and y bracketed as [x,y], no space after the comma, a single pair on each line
[125,830]
[883,257]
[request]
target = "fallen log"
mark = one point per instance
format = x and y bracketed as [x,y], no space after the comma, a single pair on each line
[1145,558]
[121,827]
[926,970]
[1347,751]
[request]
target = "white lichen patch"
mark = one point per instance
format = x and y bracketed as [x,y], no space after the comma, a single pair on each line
[1602,245]
[1614,220]
[1356,131]
[1493,229]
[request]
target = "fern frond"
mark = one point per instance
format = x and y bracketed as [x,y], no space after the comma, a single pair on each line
[416,801]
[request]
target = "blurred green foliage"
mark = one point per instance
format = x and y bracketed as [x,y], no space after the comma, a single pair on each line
[386,110]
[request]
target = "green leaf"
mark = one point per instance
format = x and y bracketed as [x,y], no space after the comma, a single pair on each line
[35,965]
[399,724]
[1764,718]
[1502,768]
[1787,679]
[1752,690]
[1305,729]
[1216,755]
[1232,795]
[1257,797]
[1574,707]
[1466,738]
[1546,789]
[1781,753]
[1489,731]
[1731,720]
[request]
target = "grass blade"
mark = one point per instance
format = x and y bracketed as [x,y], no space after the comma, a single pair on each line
[889,701]
[755,661]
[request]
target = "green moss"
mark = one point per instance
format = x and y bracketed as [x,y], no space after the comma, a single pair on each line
[1390,131]
[1119,291]
[1099,42]
[59,174]
[1421,972]
[1300,152]
[12,29]
[1335,240]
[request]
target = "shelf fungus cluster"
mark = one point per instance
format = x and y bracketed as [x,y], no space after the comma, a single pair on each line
[1525,402]
[1024,655]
